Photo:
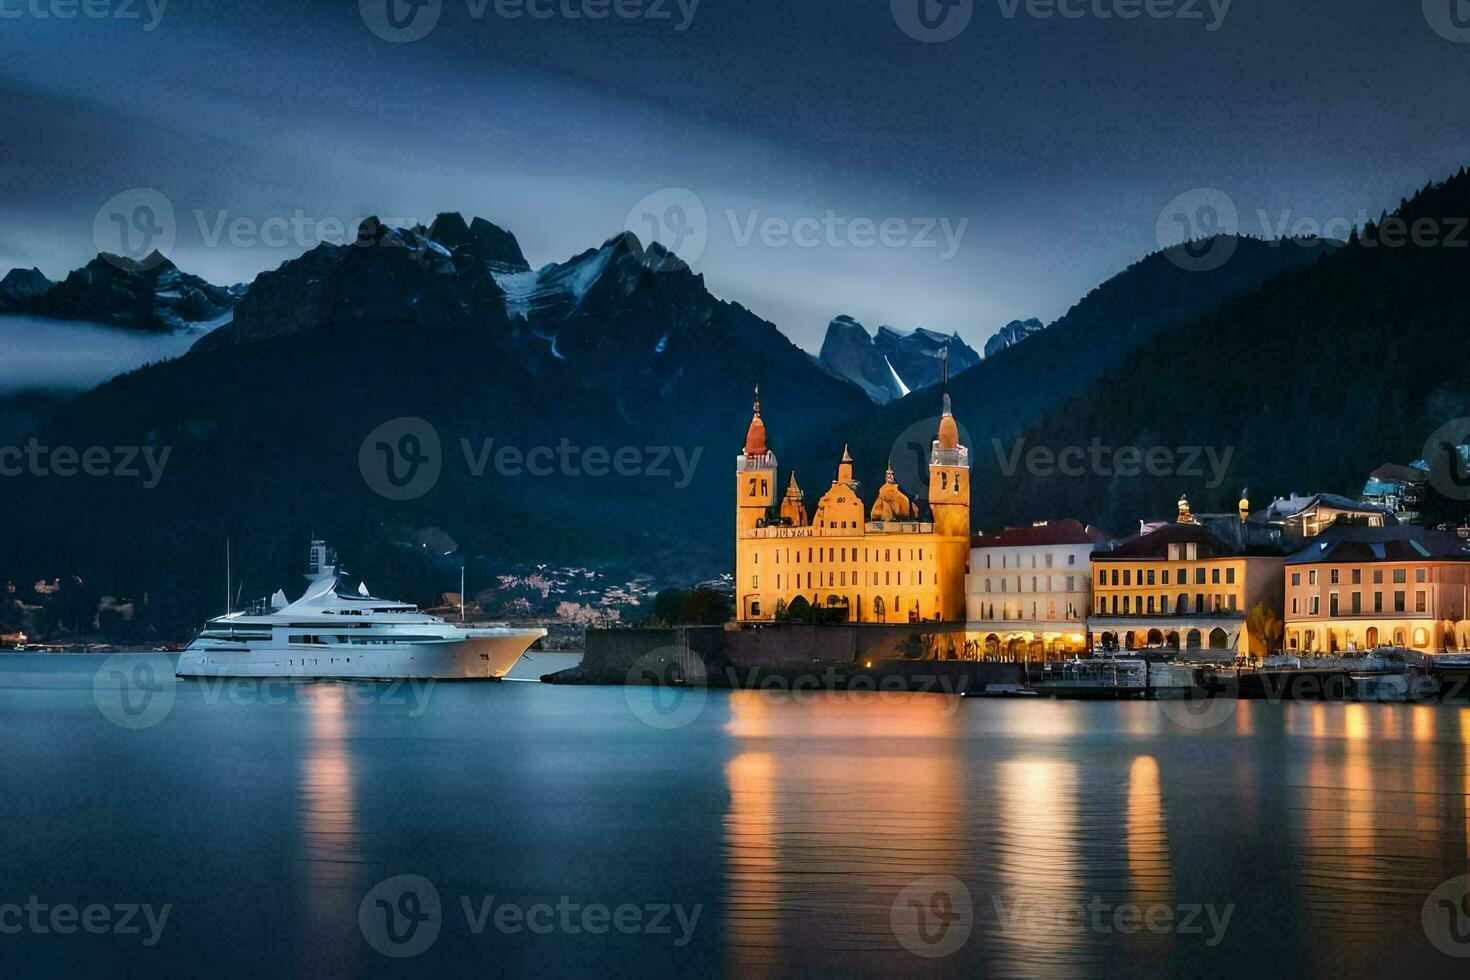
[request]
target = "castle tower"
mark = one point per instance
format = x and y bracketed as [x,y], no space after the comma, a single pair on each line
[949,479]
[792,508]
[755,474]
[949,499]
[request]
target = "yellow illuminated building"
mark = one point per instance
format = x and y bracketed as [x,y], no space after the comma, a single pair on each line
[1361,588]
[883,564]
[1180,586]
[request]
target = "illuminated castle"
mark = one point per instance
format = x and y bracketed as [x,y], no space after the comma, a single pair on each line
[882,564]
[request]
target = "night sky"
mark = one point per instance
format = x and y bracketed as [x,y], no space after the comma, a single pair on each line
[1048,147]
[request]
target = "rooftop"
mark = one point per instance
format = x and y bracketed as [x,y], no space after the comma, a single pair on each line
[1353,543]
[1065,531]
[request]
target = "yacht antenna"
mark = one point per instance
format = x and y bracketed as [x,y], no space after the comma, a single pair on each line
[228,594]
[461,593]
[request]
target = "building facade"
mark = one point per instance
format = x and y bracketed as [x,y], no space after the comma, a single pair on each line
[1179,586]
[1359,588]
[884,564]
[1028,590]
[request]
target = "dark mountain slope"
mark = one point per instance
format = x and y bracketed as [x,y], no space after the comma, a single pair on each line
[1312,380]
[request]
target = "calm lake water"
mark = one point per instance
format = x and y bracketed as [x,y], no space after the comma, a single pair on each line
[604,831]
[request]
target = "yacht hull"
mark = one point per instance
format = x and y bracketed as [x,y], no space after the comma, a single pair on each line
[477,655]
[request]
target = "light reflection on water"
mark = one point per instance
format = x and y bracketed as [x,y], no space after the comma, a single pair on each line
[796,823]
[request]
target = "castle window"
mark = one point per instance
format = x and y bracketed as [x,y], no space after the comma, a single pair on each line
[755,581]
[1230,576]
[943,481]
[755,609]
[921,558]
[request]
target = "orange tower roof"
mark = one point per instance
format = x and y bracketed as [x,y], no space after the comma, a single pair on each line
[949,432]
[755,436]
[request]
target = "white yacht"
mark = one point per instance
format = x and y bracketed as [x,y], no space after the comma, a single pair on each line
[325,634]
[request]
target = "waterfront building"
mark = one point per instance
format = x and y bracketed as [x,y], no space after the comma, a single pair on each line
[1028,590]
[1365,587]
[884,564]
[1180,586]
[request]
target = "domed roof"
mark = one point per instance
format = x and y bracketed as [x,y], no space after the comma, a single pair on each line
[892,504]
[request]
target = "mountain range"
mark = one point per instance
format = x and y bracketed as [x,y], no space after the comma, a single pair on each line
[893,363]
[1314,360]
[150,294]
